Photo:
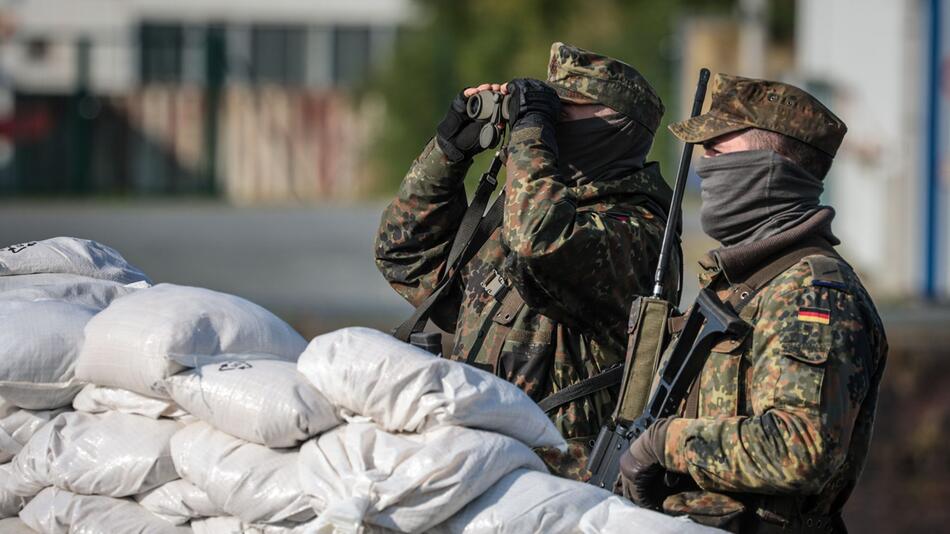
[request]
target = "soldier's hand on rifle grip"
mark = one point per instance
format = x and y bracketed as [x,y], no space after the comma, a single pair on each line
[642,468]
[457,134]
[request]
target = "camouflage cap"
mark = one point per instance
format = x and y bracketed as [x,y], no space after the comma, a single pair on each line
[584,77]
[739,103]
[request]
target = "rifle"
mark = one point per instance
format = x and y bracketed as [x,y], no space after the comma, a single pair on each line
[707,322]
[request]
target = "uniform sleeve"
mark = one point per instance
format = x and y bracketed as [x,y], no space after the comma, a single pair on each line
[811,370]
[579,267]
[417,229]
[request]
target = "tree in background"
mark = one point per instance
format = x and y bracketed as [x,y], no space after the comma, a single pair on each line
[456,44]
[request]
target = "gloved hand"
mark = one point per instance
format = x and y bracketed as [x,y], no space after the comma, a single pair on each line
[642,470]
[457,134]
[532,102]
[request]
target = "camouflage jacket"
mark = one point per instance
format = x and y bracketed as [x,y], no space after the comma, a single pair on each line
[577,256]
[785,413]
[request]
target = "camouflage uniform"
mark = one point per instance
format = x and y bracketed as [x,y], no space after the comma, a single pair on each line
[576,254]
[784,414]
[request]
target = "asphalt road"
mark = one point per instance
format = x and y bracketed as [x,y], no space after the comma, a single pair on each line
[310,264]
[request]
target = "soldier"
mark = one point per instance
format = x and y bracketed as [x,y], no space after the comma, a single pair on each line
[778,425]
[544,302]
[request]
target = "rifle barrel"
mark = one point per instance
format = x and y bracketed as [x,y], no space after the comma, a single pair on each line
[673,220]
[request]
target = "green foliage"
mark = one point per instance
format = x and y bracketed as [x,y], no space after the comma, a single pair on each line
[456,44]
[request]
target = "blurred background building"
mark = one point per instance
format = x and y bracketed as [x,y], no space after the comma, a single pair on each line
[249,147]
[241,99]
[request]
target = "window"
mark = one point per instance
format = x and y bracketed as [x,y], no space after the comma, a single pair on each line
[160,52]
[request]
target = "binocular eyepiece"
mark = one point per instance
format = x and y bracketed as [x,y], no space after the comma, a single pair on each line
[491,107]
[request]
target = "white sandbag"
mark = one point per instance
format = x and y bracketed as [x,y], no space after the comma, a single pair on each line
[262,401]
[55,511]
[526,501]
[68,255]
[408,482]
[145,337]
[101,399]
[14,525]
[620,515]
[404,388]
[39,344]
[178,502]
[112,454]
[71,288]
[233,525]
[10,502]
[246,480]
[18,426]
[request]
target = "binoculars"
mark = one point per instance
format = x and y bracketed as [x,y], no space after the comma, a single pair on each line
[492,108]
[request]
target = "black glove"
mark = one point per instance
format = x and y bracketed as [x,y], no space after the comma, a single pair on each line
[457,134]
[532,102]
[642,470]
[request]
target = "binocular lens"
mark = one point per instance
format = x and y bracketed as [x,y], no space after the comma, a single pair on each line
[480,106]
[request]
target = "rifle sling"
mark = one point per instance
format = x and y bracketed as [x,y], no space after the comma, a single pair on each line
[610,377]
[473,231]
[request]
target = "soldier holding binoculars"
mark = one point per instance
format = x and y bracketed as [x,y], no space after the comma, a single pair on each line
[544,302]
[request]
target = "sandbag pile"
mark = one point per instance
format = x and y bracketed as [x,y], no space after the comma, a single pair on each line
[167,409]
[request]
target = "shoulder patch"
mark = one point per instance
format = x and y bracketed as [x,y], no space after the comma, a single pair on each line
[826,272]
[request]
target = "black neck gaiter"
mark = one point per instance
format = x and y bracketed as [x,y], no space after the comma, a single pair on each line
[753,195]
[600,148]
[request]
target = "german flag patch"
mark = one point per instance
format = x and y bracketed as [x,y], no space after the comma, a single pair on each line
[814,315]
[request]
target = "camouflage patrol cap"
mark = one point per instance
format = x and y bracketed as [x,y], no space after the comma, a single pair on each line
[739,103]
[583,77]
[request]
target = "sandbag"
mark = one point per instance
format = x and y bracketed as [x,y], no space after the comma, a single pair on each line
[233,525]
[68,255]
[100,399]
[111,454]
[620,515]
[71,288]
[526,501]
[262,401]
[405,389]
[10,502]
[17,426]
[359,473]
[178,502]
[55,511]
[245,480]
[39,344]
[14,525]
[145,337]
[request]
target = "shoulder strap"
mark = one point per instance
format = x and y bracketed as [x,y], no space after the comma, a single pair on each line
[473,231]
[743,292]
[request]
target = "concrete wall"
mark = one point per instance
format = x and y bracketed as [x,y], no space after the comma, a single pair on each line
[866,59]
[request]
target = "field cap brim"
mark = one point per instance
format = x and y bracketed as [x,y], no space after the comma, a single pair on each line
[567,95]
[706,127]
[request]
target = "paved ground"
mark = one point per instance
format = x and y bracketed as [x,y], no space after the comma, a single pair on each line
[313,264]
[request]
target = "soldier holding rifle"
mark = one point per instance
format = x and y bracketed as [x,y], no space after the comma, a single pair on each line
[776,427]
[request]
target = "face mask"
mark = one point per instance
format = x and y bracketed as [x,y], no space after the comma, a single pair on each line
[600,147]
[752,195]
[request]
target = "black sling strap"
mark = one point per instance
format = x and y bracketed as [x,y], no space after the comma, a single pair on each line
[474,230]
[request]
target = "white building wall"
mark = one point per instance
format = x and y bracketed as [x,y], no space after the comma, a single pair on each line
[871,54]
[112,25]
